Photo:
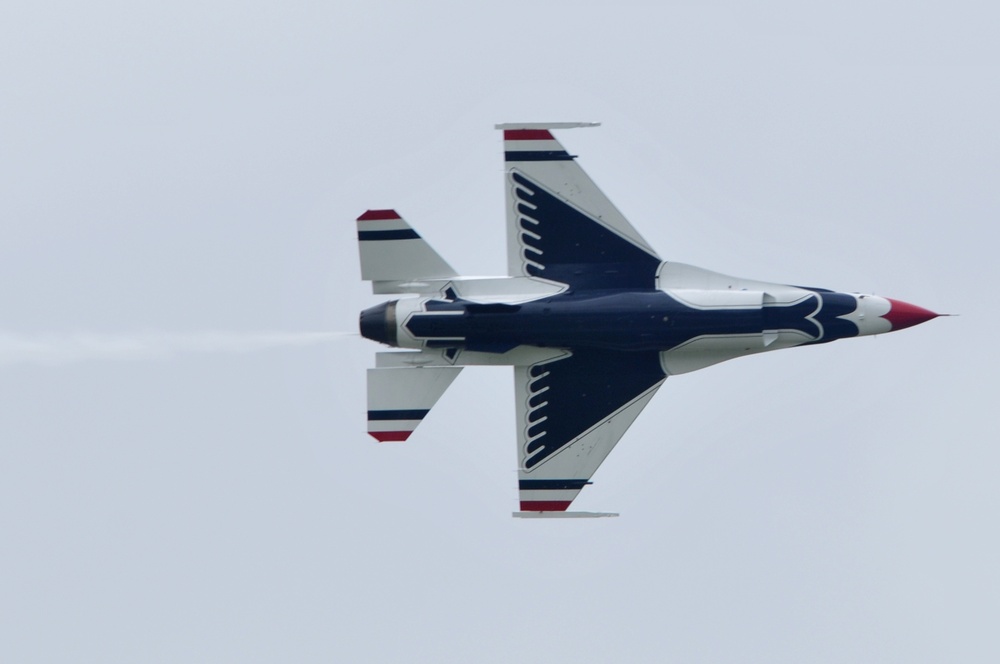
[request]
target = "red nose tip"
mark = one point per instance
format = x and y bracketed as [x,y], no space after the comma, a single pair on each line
[903,314]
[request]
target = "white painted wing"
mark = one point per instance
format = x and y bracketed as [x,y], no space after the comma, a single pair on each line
[570,414]
[533,156]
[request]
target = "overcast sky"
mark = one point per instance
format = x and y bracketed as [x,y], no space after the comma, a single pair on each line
[184,470]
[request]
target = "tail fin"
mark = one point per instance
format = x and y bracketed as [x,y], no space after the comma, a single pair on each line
[392,251]
[400,398]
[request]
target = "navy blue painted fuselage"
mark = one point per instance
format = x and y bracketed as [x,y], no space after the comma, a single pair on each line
[609,320]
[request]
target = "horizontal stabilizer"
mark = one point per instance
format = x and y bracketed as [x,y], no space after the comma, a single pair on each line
[392,251]
[400,398]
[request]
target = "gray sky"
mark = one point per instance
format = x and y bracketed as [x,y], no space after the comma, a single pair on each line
[176,172]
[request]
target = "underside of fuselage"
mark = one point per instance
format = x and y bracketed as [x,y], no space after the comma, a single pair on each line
[608,320]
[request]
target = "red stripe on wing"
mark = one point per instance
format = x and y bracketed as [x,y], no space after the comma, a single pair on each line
[527,135]
[544,505]
[378,215]
[390,436]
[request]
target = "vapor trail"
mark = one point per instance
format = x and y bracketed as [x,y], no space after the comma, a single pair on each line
[54,349]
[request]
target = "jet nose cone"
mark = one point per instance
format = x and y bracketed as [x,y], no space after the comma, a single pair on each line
[903,314]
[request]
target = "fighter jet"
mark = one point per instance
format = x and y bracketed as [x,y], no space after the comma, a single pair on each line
[591,319]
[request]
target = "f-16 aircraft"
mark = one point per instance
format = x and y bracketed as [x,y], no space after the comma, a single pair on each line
[590,317]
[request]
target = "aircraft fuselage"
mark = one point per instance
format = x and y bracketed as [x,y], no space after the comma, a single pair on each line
[630,320]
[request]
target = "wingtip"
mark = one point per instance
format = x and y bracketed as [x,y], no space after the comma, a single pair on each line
[545,125]
[563,515]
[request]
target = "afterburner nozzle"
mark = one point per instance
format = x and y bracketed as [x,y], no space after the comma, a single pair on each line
[378,323]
